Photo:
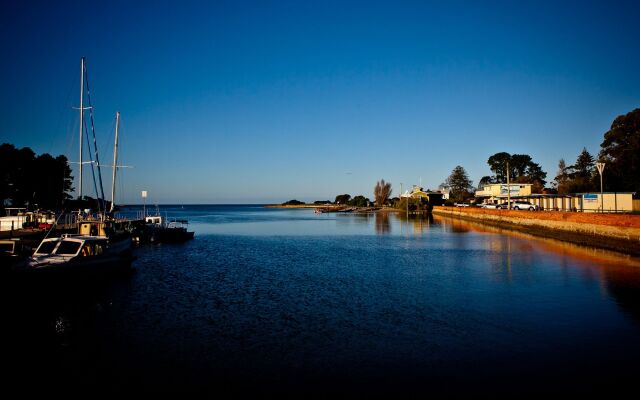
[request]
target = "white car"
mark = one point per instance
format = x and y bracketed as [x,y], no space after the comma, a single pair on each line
[491,205]
[521,205]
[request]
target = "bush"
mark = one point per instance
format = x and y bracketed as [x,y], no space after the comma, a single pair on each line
[359,201]
[293,203]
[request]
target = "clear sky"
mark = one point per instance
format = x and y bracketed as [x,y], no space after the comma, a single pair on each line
[251,102]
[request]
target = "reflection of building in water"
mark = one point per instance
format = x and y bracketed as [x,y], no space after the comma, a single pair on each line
[417,192]
[383,225]
[422,223]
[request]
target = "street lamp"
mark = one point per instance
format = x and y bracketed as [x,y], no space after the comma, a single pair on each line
[600,167]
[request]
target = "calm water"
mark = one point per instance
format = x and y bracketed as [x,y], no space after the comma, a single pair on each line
[290,301]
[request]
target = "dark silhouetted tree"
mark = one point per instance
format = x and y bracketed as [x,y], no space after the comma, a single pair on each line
[485,180]
[522,169]
[498,165]
[584,166]
[460,184]
[342,199]
[620,150]
[27,180]
[563,177]
[359,201]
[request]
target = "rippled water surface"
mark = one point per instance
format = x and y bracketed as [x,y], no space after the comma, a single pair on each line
[291,301]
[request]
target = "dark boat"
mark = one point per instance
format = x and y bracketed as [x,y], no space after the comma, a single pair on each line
[159,231]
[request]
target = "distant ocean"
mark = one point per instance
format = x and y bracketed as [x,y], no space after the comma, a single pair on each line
[288,301]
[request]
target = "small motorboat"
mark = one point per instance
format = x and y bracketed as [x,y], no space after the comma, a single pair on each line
[78,255]
[160,231]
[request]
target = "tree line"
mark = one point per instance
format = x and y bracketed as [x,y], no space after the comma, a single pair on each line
[33,181]
[620,151]
[381,192]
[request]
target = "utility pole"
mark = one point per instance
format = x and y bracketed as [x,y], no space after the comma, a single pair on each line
[508,189]
[600,167]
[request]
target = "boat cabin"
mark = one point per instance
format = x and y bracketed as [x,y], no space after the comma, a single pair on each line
[92,228]
[72,246]
[9,246]
[154,220]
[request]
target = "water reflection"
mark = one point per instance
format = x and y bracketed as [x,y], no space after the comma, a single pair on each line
[418,223]
[515,255]
[624,286]
[289,296]
[383,223]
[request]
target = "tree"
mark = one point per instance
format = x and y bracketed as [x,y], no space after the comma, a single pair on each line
[342,198]
[620,150]
[27,180]
[584,166]
[459,183]
[293,202]
[562,179]
[359,201]
[519,164]
[485,180]
[535,175]
[498,165]
[382,192]
[522,169]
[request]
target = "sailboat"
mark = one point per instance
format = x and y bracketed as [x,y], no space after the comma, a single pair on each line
[101,243]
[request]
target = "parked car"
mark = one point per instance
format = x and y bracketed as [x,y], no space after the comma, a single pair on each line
[461,204]
[491,205]
[521,205]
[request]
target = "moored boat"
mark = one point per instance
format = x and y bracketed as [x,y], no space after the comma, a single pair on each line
[79,256]
[160,231]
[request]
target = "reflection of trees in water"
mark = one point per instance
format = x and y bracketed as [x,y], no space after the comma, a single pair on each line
[352,218]
[624,288]
[419,222]
[383,225]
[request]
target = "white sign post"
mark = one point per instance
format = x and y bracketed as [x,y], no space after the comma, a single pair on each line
[600,167]
[144,204]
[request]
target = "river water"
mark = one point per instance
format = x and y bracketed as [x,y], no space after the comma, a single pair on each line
[288,301]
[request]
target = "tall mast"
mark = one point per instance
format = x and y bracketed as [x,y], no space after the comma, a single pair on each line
[81,122]
[115,163]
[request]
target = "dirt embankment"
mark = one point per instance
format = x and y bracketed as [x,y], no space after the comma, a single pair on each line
[619,232]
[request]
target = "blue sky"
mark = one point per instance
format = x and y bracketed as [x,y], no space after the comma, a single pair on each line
[251,102]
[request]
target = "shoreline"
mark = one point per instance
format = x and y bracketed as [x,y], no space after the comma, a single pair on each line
[619,233]
[336,208]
